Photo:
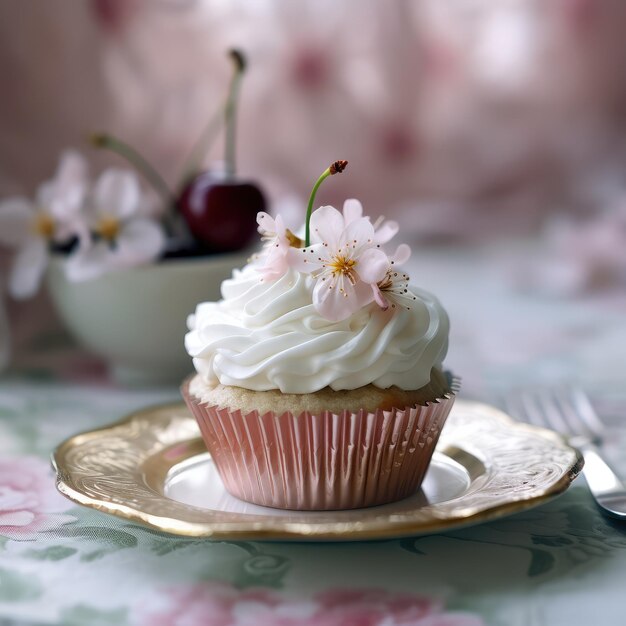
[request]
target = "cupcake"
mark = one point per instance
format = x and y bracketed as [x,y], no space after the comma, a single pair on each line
[319,380]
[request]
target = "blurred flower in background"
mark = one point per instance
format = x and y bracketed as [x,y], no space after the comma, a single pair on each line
[580,255]
[122,236]
[464,121]
[101,228]
[464,118]
[34,227]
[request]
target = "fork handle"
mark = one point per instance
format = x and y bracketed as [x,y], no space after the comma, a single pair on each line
[606,487]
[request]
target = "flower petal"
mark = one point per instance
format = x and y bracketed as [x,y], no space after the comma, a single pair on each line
[69,185]
[381,301]
[335,299]
[16,216]
[89,261]
[387,231]
[275,264]
[141,241]
[357,234]
[28,268]
[372,265]
[16,518]
[266,223]
[352,210]
[71,171]
[279,226]
[306,260]
[117,193]
[45,194]
[401,255]
[327,224]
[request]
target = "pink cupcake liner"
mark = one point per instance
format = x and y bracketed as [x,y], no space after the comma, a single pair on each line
[322,462]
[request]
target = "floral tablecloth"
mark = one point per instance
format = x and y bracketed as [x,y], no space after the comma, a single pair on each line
[561,563]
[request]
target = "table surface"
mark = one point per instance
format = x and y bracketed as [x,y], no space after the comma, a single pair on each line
[561,563]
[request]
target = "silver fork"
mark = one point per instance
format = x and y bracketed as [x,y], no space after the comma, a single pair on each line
[568,411]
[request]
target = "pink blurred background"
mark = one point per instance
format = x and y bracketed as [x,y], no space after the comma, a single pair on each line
[468,121]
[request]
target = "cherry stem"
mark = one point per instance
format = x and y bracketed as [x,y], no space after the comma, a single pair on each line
[335,168]
[202,147]
[230,111]
[212,129]
[108,142]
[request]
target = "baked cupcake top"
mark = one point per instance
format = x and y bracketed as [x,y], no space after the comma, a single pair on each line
[332,311]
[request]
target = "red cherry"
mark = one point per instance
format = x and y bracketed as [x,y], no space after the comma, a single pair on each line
[221,212]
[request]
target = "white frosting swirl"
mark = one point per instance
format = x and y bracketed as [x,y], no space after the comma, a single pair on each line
[268,335]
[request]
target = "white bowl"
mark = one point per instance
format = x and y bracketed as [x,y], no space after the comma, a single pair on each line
[136,319]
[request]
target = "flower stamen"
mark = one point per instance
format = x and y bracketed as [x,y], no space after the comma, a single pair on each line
[343,266]
[394,289]
[294,240]
[108,228]
[43,225]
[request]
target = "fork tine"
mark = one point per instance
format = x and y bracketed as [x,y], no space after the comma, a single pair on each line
[531,410]
[553,417]
[515,405]
[569,412]
[587,412]
[528,409]
[568,404]
[550,408]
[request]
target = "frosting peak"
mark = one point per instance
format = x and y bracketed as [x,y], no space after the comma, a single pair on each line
[268,335]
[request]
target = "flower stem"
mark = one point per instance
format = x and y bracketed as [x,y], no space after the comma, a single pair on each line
[102,140]
[335,168]
[230,111]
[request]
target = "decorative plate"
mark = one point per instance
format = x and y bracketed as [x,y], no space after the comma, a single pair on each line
[153,468]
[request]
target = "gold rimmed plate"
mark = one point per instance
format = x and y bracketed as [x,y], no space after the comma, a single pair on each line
[153,468]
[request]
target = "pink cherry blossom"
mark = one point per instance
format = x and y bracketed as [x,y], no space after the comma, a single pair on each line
[29,503]
[31,226]
[384,230]
[345,263]
[124,237]
[278,242]
[221,604]
[393,289]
